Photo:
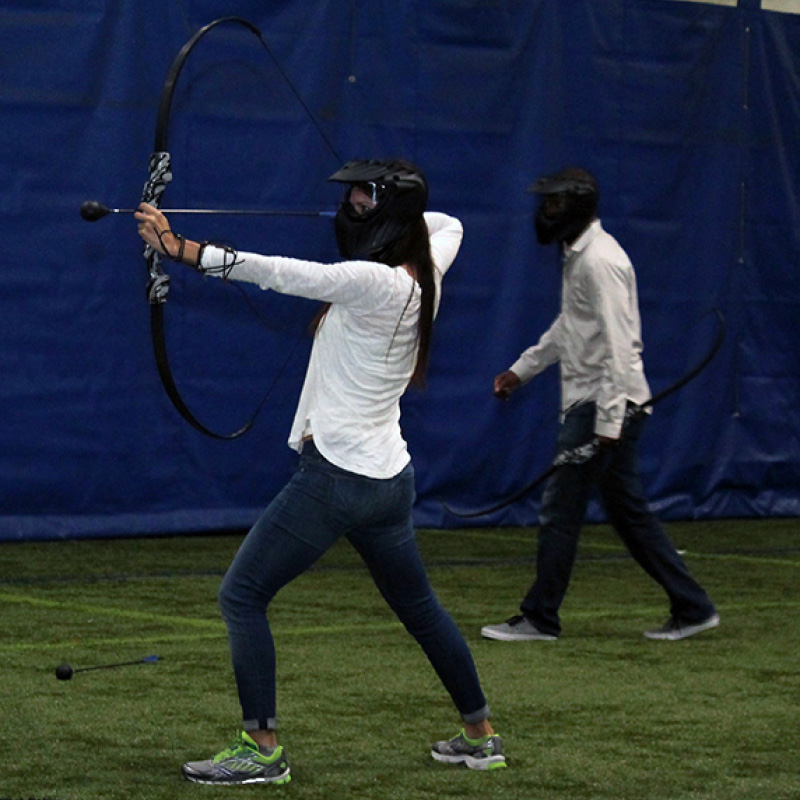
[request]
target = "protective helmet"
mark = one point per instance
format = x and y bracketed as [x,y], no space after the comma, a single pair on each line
[401,194]
[581,196]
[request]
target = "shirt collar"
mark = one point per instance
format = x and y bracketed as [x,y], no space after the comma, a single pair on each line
[583,240]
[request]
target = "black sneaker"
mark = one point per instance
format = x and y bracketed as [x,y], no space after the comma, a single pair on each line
[242,762]
[483,753]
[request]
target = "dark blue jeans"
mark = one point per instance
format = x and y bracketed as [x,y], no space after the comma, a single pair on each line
[319,505]
[615,472]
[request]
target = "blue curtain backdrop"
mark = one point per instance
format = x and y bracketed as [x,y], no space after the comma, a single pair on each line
[688,112]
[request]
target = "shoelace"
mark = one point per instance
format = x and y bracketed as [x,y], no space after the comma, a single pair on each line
[238,748]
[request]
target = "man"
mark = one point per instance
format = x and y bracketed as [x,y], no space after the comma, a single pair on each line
[596,338]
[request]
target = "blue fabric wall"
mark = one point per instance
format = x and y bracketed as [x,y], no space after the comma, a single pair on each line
[688,113]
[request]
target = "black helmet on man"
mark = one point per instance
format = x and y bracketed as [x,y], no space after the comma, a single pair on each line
[569,204]
[399,195]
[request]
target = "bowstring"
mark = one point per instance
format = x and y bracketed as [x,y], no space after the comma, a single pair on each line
[339,160]
[299,97]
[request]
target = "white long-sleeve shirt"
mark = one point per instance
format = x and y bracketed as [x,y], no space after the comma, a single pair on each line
[364,351]
[597,335]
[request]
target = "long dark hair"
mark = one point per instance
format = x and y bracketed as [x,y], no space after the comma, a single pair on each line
[412,249]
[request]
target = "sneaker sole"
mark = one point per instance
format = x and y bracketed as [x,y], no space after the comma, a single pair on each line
[683,633]
[484,764]
[284,778]
[501,636]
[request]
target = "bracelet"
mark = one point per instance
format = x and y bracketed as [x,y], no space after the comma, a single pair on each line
[179,257]
[181,244]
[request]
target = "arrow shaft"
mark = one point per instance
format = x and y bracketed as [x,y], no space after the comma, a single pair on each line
[234,211]
[147,660]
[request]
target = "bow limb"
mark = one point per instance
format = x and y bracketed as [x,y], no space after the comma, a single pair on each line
[165,106]
[719,338]
[583,453]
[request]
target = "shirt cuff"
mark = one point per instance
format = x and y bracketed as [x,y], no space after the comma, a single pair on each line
[212,256]
[522,370]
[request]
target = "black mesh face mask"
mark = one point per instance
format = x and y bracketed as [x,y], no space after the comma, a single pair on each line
[399,192]
[569,203]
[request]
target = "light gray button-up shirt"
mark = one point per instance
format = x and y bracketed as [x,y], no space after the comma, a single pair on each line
[597,335]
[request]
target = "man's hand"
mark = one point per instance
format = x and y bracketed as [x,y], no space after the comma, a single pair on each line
[505,384]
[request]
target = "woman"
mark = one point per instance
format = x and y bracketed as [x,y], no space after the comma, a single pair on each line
[354,477]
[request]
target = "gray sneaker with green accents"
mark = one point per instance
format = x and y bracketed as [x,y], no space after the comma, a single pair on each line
[485,753]
[242,762]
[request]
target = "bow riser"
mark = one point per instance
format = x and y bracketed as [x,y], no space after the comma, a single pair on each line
[160,176]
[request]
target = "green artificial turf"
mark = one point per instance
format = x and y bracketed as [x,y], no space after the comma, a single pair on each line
[602,713]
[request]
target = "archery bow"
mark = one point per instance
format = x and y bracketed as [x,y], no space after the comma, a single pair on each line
[160,176]
[583,453]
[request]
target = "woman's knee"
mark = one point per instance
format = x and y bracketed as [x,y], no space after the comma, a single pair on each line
[226,600]
[235,600]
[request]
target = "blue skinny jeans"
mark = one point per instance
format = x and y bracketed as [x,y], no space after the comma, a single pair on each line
[319,505]
[614,471]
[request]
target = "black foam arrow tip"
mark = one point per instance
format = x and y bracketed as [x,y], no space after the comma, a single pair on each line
[91,210]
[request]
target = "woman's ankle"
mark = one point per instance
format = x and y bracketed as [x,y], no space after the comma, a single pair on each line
[478,730]
[264,738]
